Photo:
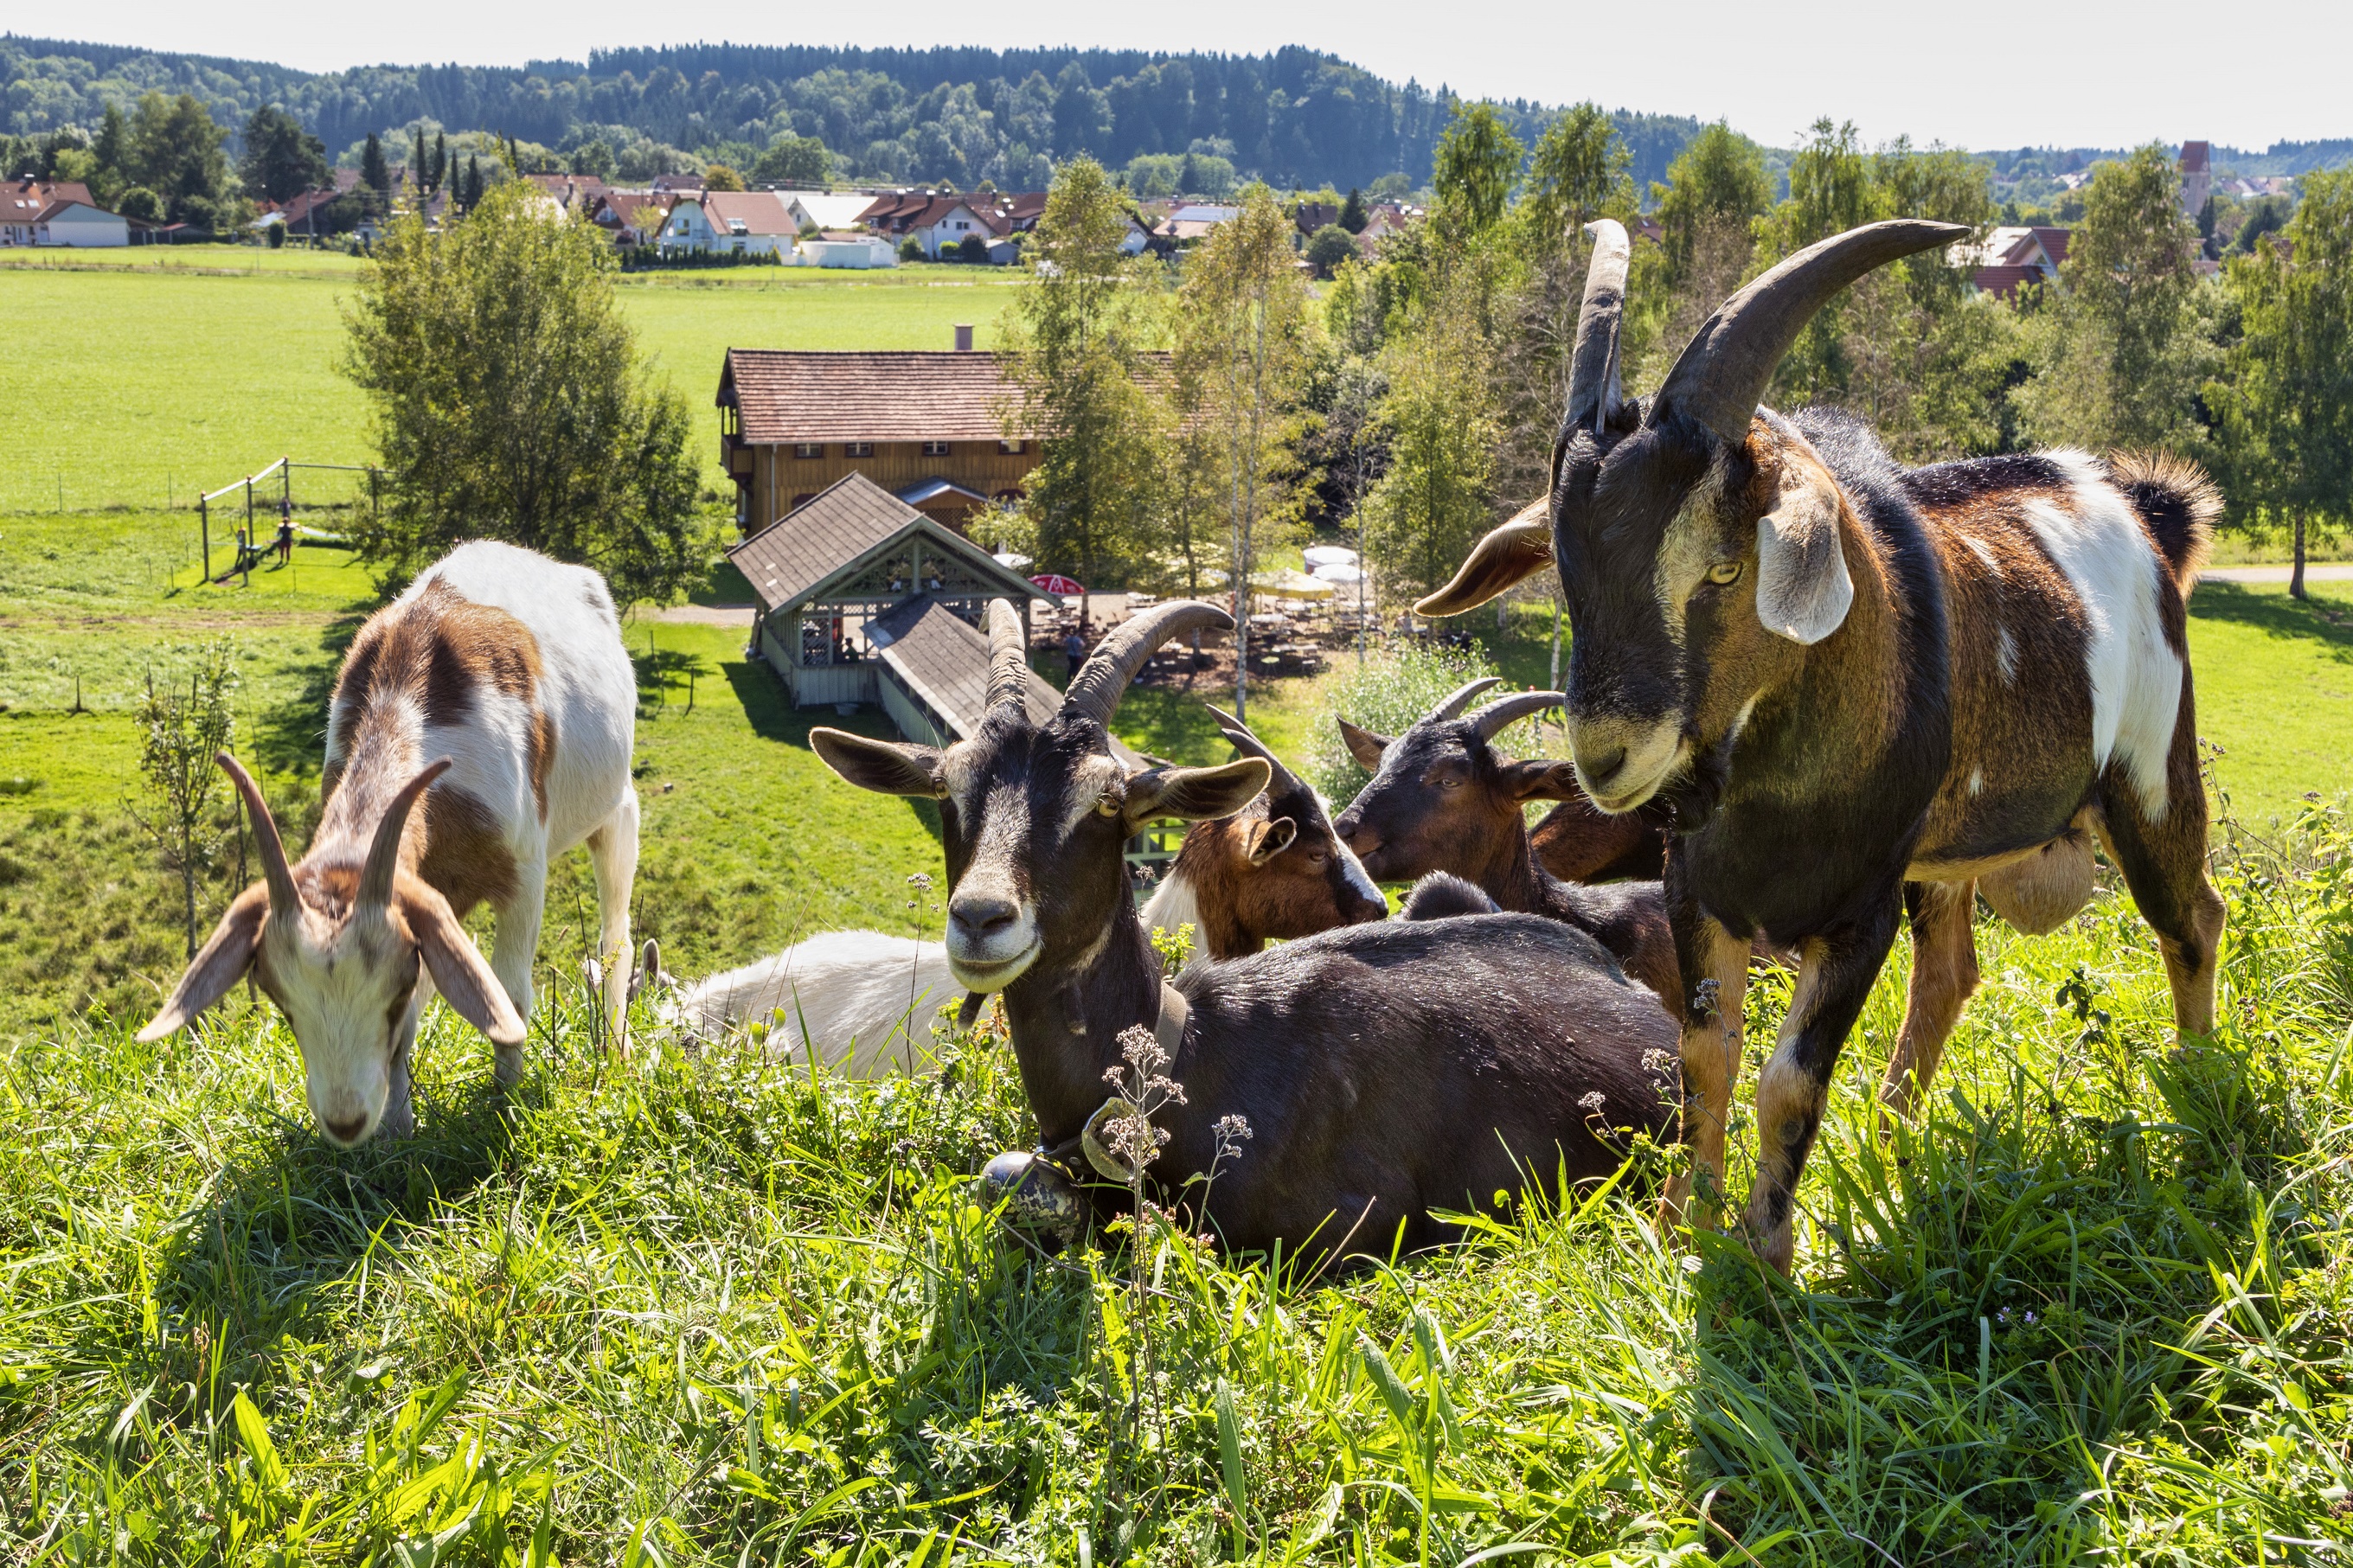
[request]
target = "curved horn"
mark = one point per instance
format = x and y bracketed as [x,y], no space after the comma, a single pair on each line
[1250,745]
[1593,364]
[1008,657]
[383,853]
[1460,699]
[1504,712]
[1723,371]
[1096,689]
[284,901]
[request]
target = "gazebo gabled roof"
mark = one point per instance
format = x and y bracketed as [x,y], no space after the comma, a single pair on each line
[841,530]
[942,660]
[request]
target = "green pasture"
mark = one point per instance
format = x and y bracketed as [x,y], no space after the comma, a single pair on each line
[153,382]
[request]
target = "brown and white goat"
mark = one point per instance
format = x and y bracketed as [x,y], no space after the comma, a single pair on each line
[1863,689]
[1440,799]
[506,671]
[1274,872]
[1387,1069]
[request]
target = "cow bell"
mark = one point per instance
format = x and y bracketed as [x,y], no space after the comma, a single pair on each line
[1032,1192]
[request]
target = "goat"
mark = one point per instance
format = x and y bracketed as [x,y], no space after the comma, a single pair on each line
[1441,800]
[1275,870]
[1579,842]
[1863,689]
[1386,1069]
[507,668]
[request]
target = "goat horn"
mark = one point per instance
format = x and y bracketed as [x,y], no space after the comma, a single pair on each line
[285,902]
[1593,364]
[1460,699]
[1504,711]
[1008,657]
[1722,374]
[383,854]
[1250,745]
[1096,689]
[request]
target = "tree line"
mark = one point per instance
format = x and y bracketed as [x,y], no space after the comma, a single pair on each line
[1294,117]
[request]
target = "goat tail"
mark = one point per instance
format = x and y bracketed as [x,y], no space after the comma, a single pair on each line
[2177,503]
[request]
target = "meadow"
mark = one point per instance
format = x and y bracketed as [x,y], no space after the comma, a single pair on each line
[156,380]
[698,1309]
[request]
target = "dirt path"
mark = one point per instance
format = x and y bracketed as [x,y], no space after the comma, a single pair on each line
[2332,572]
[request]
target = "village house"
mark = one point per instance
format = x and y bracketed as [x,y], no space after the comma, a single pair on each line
[58,212]
[632,217]
[745,223]
[944,223]
[823,210]
[2012,259]
[924,425]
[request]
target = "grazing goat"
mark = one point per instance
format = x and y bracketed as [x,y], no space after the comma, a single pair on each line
[1387,1069]
[1863,689]
[508,670]
[1441,800]
[1273,870]
[1579,842]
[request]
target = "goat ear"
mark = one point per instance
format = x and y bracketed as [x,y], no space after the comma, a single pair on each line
[1263,840]
[886,767]
[1540,778]
[1520,548]
[220,963]
[1803,590]
[458,972]
[1364,745]
[1196,795]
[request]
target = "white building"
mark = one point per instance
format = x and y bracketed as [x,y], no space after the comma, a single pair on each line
[60,212]
[852,250]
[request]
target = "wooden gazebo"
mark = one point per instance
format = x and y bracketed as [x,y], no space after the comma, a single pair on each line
[855,573]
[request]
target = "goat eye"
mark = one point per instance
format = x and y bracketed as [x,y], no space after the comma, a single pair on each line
[1724,573]
[1107,807]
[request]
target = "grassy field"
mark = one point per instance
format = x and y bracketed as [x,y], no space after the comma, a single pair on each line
[157,380]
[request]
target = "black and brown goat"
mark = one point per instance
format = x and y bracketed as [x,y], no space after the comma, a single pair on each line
[1387,1069]
[1865,689]
[1273,872]
[1440,799]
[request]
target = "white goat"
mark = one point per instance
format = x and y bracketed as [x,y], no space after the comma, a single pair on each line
[860,1002]
[507,669]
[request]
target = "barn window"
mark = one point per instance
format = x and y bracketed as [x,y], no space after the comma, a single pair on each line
[858,448]
[935,448]
[1010,448]
[808,449]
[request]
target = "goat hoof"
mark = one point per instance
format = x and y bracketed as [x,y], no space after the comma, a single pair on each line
[1033,1194]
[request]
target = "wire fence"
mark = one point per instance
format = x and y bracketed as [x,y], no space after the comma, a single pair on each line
[271,509]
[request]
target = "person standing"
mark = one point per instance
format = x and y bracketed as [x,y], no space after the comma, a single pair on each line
[1074,649]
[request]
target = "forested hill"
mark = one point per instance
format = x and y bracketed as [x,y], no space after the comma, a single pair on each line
[1297,116]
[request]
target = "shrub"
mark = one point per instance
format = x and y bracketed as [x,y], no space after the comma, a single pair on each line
[1397,686]
[971,248]
[1329,247]
[910,249]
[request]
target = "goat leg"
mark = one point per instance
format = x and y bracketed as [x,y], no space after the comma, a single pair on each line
[1715,965]
[1834,980]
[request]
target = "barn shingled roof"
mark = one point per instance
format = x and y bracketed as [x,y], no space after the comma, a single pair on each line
[906,395]
[840,525]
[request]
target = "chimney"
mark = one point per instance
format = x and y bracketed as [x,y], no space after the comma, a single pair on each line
[963,338]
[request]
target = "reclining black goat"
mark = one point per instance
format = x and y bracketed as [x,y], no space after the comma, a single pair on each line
[1386,1070]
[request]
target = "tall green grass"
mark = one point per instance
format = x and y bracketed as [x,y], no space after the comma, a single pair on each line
[702,1309]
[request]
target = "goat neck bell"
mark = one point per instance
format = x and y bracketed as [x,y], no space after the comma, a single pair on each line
[1030,1192]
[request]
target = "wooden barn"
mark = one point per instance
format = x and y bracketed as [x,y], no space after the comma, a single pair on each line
[925,426]
[863,598]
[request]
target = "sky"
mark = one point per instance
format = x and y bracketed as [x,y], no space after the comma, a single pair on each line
[2063,74]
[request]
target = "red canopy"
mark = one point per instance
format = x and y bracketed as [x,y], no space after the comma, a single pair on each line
[1054,583]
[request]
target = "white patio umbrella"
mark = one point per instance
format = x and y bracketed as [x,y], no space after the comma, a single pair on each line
[1328,555]
[1339,572]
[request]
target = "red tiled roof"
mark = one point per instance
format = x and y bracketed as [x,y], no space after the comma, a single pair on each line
[911,395]
[2194,156]
[2005,281]
[760,212]
[29,201]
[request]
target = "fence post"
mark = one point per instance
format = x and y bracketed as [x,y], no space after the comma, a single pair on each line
[205,522]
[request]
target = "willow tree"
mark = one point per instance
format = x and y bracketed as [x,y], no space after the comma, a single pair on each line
[509,401]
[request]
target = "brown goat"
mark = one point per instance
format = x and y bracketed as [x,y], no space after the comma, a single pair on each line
[1865,689]
[1441,800]
[1275,870]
